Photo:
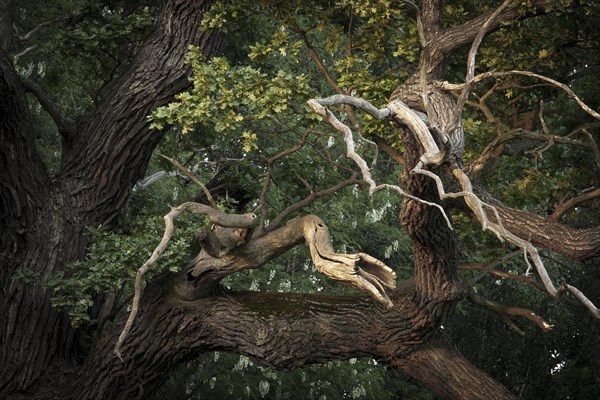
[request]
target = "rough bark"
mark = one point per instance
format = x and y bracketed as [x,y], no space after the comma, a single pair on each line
[44,221]
[5,24]
[277,330]
[444,370]
[575,243]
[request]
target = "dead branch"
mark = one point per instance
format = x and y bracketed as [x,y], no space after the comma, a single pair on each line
[399,110]
[29,34]
[142,183]
[492,74]
[432,155]
[359,270]
[470,79]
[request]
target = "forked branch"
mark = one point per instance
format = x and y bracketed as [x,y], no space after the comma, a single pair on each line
[359,270]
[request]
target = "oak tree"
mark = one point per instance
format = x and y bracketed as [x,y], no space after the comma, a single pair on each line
[413,79]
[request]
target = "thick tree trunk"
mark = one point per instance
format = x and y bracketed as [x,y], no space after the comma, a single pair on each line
[44,221]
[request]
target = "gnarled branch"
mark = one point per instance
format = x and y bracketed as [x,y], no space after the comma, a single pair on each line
[215,216]
[433,155]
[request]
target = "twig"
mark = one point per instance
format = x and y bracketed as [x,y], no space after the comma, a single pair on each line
[193,178]
[492,74]
[262,201]
[311,198]
[489,269]
[501,309]
[567,205]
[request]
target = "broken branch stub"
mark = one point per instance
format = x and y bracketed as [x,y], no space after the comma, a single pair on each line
[359,270]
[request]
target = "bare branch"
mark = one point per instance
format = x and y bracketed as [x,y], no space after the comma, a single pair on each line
[311,198]
[501,309]
[401,112]
[489,269]
[594,146]
[433,155]
[22,53]
[262,201]
[193,178]
[559,85]
[583,299]
[562,86]
[567,205]
[471,64]
[142,183]
[29,34]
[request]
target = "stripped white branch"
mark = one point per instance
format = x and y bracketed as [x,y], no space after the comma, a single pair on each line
[400,111]
[470,78]
[157,176]
[432,155]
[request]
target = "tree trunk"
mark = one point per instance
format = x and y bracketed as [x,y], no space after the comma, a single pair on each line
[44,221]
[450,375]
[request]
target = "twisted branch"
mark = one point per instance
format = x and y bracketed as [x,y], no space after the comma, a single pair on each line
[214,215]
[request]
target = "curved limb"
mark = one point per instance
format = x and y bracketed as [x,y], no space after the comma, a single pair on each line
[215,216]
[359,270]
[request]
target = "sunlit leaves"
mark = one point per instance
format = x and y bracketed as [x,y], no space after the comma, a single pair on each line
[224,97]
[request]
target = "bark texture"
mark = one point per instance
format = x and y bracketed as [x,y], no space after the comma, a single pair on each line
[44,220]
[444,370]
[575,243]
